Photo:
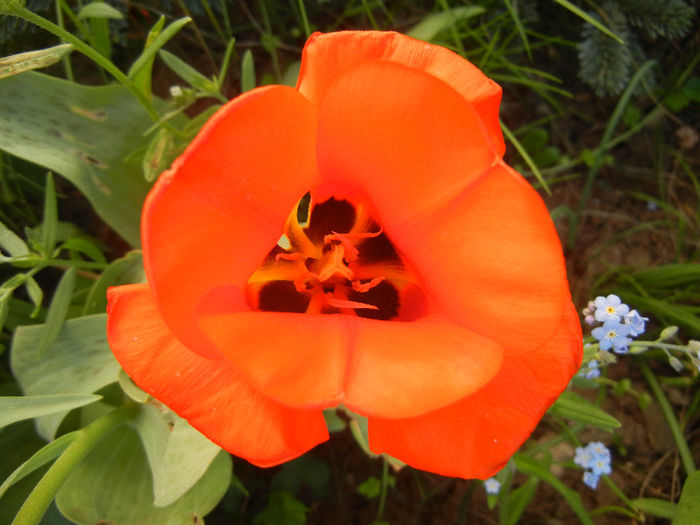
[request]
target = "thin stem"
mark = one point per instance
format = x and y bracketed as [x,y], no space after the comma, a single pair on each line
[385,483]
[66,58]
[683,450]
[304,18]
[45,491]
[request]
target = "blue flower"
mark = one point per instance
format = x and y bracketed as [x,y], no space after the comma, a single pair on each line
[609,308]
[591,479]
[492,486]
[600,465]
[635,322]
[613,335]
[583,457]
[597,448]
[593,370]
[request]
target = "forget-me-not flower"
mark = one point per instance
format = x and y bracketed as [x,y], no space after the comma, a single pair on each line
[609,308]
[613,334]
[492,486]
[635,322]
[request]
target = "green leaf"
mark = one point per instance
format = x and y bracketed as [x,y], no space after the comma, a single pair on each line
[99,10]
[518,500]
[178,454]
[12,243]
[282,509]
[38,460]
[58,309]
[145,60]
[80,362]
[572,406]
[334,422]
[18,408]
[433,24]
[370,488]
[35,293]
[84,134]
[532,467]
[113,485]
[130,388]
[247,72]
[589,19]
[305,471]
[85,247]
[159,155]
[187,73]
[22,62]
[127,270]
[660,508]
[689,504]
[48,229]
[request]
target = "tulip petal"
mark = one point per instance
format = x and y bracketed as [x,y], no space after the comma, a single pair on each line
[328,56]
[474,437]
[492,261]
[296,359]
[213,217]
[405,369]
[209,393]
[409,141]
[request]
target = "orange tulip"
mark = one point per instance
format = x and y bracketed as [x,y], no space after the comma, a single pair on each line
[424,287]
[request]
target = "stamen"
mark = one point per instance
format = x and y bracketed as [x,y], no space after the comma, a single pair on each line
[295,256]
[362,288]
[351,253]
[343,303]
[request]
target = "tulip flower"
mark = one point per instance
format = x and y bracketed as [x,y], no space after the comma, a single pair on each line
[356,241]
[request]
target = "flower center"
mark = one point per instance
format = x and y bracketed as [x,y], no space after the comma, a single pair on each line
[334,258]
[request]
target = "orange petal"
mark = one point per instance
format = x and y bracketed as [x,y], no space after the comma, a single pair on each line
[296,359]
[209,393]
[407,140]
[476,436]
[213,217]
[327,56]
[492,261]
[405,369]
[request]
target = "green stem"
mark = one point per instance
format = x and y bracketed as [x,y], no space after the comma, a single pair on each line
[45,491]
[304,18]
[683,450]
[385,483]
[14,9]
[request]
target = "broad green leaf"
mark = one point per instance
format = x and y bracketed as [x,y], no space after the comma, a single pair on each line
[660,508]
[18,408]
[84,134]
[689,504]
[532,467]
[187,73]
[99,10]
[334,422]
[130,388]
[127,270]
[177,453]
[22,62]
[572,406]
[80,362]
[247,72]
[50,224]
[12,243]
[113,485]
[437,22]
[282,509]
[58,309]
[39,459]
